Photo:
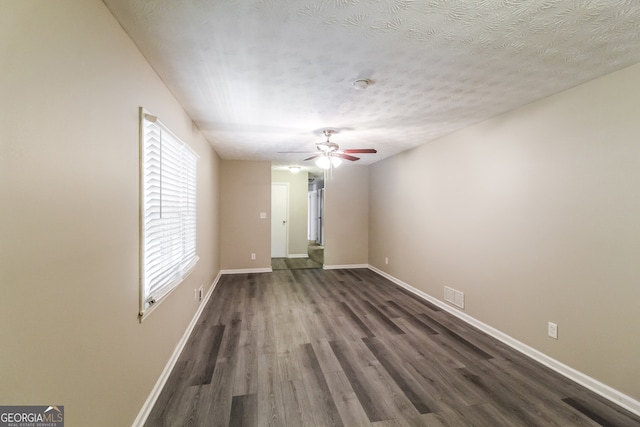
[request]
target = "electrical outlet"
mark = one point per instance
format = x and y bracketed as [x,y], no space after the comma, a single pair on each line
[553,330]
[253,256]
[200,292]
[386,260]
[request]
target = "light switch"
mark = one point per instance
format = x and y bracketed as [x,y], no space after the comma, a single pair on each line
[263,215]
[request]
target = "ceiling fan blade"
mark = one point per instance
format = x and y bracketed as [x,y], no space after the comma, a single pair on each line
[346,157]
[360,150]
[313,157]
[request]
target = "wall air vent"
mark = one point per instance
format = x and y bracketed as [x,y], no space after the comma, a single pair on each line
[454,297]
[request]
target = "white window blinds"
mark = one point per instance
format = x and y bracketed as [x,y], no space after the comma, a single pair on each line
[168,214]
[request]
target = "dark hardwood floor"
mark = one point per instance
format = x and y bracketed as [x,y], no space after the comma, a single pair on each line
[315,347]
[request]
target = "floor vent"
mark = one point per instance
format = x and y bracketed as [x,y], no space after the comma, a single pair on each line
[454,297]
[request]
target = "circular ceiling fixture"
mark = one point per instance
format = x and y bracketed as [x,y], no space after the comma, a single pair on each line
[361,84]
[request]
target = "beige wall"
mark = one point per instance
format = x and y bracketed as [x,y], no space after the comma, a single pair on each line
[71,85]
[346,213]
[245,193]
[298,209]
[534,216]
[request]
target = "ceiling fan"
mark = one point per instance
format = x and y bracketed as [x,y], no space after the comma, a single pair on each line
[330,155]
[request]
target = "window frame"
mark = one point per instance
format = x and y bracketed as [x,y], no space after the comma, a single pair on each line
[168,183]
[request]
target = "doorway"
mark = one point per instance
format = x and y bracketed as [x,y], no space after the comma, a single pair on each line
[316,209]
[316,204]
[293,220]
[316,217]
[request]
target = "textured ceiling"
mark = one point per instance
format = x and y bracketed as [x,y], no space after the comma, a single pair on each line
[263,76]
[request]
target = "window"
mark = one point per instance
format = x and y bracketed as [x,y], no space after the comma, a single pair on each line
[168,211]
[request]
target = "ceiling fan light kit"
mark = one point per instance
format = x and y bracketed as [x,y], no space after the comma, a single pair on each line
[329,155]
[323,162]
[328,161]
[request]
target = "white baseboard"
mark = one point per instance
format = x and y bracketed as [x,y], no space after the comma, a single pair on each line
[592,384]
[164,376]
[345,266]
[297,255]
[247,270]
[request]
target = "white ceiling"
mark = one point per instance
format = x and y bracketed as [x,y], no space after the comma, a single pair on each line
[263,76]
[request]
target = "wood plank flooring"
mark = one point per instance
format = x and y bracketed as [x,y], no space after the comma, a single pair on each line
[316,347]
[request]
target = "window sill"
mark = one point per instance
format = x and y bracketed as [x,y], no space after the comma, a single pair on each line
[172,287]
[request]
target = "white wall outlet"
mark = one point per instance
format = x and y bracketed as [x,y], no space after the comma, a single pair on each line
[553,330]
[263,215]
[386,260]
[253,256]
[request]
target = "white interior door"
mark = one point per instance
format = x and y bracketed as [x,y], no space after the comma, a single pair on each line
[279,219]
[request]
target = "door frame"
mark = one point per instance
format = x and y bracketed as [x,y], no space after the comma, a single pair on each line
[312,224]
